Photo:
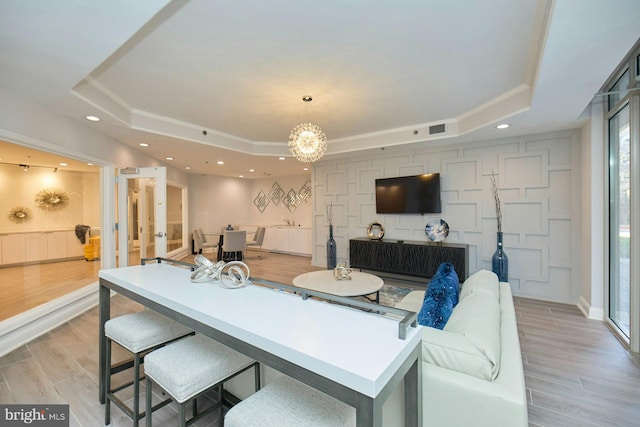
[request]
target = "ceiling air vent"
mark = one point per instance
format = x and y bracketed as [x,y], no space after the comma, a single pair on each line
[436,129]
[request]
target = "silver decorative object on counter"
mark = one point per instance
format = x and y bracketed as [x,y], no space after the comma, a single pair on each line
[234,274]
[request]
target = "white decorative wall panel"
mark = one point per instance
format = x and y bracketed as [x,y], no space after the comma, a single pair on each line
[524,170]
[460,174]
[539,186]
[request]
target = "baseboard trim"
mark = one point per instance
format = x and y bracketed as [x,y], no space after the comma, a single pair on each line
[590,312]
[25,327]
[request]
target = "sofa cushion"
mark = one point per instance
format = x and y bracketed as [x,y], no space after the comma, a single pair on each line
[440,297]
[481,281]
[477,318]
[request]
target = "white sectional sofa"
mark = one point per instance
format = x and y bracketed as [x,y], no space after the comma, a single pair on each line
[472,369]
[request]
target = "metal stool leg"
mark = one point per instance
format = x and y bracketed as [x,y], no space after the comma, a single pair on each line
[107,383]
[148,411]
[136,390]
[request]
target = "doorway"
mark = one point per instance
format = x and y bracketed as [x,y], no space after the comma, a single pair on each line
[42,256]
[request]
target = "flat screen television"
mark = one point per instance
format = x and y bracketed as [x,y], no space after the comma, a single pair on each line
[408,194]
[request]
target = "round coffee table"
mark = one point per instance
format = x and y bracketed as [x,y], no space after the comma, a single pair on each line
[361,284]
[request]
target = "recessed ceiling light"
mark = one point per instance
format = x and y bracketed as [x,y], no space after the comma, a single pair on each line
[240,176]
[143,144]
[92,118]
[252,170]
[90,164]
[168,158]
[280,158]
[63,164]
[305,169]
[187,167]
[503,126]
[220,162]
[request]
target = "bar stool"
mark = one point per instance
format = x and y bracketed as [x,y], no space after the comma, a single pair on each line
[289,403]
[191,367]
[138,333]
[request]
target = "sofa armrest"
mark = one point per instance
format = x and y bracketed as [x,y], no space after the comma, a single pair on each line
[412,301]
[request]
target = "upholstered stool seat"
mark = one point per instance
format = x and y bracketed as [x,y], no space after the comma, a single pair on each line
[188,368]
[138,333]
[289,403]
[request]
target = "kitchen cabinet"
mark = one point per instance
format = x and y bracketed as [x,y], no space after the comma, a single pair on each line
[13,248]
[38,246]
[288,239]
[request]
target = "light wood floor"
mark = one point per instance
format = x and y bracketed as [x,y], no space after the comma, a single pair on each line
[576,372]
[28,286]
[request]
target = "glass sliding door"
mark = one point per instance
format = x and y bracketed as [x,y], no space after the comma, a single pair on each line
[620,220]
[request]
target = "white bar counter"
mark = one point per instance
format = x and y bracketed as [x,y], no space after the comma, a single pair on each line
[350,354]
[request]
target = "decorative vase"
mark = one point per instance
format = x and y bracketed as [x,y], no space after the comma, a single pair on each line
[500,262]
[331,250]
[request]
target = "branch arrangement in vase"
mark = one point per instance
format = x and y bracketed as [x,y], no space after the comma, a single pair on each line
[496,198]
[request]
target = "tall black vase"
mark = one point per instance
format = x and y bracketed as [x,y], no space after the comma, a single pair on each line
[331,250]
[500,262]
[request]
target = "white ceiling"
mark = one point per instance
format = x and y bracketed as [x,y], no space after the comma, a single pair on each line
[162,72]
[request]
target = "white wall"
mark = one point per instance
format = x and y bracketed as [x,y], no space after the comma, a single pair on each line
[539,178]
[216,201]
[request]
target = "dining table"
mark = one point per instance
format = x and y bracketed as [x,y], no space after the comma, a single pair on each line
[358,352]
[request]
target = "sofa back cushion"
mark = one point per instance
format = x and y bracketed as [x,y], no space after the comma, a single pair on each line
[477,318]
[470,341]
[482,281]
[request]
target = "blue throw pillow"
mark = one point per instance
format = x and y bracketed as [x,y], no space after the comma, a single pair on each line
[440,297]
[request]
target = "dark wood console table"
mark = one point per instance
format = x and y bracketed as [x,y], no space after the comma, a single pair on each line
[411,258]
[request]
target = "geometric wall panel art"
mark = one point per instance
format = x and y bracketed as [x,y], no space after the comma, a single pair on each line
[305,192]
[291,200]
[276,193]
[539,183]
[261,201]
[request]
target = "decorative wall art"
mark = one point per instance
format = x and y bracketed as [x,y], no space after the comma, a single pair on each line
[276,193]
[291,200]
[305,192]
[51,200]
[19,214]
[261,201]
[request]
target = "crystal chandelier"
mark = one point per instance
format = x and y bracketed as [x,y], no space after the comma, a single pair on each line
[307,141]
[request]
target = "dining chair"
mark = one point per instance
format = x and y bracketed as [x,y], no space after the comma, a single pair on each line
[197,241]
[206,244]
[258,238]
[233,245]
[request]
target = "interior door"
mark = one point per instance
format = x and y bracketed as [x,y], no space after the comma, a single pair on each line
[146,225]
